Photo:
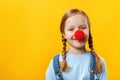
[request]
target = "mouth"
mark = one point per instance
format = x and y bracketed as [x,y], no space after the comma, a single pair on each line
[78,40]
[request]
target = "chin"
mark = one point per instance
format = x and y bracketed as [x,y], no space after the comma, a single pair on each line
[78,45]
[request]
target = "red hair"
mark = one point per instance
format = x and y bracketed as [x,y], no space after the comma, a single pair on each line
[63,65]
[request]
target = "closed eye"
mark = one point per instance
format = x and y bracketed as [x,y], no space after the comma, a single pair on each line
[71,29]
[83,27]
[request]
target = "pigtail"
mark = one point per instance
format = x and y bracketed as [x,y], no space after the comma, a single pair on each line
[99,63]
[63,64]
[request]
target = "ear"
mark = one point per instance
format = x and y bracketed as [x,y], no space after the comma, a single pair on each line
[64,36]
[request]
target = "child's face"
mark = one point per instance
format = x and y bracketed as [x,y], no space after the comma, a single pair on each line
[73,24]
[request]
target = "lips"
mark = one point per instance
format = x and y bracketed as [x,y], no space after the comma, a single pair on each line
[79,35]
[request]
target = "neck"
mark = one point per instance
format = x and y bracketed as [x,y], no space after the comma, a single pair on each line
[75,51]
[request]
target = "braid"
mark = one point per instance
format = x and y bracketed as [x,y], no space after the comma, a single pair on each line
[90,42]
[64,46]
[99,63]
[63,64]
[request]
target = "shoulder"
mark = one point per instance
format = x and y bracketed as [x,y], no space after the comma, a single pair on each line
[104,68]
[102,59]
[50,74]
[54,58]
[103,74]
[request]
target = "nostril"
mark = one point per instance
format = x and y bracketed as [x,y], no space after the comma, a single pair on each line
[79,35]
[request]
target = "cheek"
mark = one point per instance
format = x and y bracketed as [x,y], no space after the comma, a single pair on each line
[86,34]
[67,35]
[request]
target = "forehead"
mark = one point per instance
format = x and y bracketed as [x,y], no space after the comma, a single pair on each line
[76,20]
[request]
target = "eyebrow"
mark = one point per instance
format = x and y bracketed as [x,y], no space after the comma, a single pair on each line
[72,26]
[83,25]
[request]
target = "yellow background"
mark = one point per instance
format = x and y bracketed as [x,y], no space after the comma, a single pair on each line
[30,36]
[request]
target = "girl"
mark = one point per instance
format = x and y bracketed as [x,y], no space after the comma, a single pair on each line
[76,63]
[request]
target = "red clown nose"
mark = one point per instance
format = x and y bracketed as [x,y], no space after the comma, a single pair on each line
[79,35]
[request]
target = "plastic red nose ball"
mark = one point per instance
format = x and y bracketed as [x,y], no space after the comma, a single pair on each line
[79,35]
